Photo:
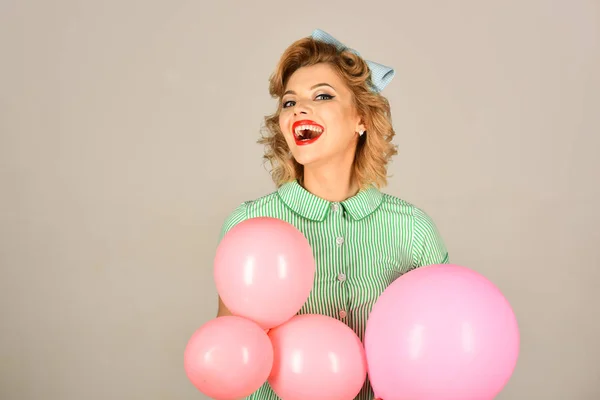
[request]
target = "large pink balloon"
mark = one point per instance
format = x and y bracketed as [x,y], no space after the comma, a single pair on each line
[228,358]
[441,332]
[264,270]
[316,357]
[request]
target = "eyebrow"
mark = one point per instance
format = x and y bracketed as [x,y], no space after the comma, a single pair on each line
[312,88]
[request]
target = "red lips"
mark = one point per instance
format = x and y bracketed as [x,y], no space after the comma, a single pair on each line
[306,122]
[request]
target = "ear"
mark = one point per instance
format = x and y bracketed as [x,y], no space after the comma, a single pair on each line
[360,128]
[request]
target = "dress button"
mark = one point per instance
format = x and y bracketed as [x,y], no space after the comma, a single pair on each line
[342,314]
[335,207]
[341,277]
[339,241]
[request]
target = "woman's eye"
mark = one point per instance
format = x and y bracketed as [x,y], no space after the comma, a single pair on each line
[324,96]
[291,103]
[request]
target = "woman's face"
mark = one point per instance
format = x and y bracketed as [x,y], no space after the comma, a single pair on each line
[318,117]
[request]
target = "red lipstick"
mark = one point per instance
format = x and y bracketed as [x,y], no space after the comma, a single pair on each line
[306,132]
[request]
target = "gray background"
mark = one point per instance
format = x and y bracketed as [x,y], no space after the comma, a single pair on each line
[127,135]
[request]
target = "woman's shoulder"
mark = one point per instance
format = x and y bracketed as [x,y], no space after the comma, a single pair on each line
[405,207]
[428,247]
[246,208]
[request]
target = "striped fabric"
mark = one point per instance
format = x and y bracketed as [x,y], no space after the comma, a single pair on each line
[361,245]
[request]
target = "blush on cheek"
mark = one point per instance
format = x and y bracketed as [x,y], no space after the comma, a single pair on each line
[282,125]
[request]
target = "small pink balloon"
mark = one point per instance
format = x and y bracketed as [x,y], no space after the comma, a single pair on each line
[228,358]
[264,270]
[441,332]
[316,357]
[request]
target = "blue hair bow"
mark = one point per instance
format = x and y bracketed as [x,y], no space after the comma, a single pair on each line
[381,75]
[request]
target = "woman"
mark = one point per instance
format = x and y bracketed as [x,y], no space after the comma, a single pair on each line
[329,143]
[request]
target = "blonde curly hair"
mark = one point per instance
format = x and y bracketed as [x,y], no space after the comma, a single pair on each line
[374,148]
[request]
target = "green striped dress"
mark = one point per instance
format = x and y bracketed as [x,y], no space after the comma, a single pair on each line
[360,245]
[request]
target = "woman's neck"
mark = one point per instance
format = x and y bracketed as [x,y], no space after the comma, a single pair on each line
[330,185]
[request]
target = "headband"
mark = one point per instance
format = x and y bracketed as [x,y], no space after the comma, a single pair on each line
[380,74]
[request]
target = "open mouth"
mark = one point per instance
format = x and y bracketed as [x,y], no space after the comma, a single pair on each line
[306,132]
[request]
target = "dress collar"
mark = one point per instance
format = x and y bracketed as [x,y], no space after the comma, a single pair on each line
[309,206]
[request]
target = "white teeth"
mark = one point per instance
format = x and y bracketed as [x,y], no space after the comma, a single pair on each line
[299,129]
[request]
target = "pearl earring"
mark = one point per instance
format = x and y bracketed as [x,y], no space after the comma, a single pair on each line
[361,132]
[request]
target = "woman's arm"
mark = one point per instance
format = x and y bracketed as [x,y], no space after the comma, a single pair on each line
[428,245]
[223,310]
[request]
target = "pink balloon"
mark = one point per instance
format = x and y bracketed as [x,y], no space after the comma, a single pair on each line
[228,358]
[317,357]
[264,270]
[441,332]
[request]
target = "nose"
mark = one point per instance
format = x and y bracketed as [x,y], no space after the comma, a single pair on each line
[301,107]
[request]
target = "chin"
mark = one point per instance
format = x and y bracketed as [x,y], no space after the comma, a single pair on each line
[304,158]
[304,161]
